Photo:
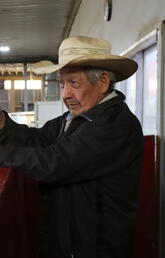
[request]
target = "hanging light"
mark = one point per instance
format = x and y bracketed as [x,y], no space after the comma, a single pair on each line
[4,48]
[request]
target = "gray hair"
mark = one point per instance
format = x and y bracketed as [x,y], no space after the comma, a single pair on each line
[94,74]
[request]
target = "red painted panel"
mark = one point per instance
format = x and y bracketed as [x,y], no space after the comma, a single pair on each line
[19,213]
[147,222]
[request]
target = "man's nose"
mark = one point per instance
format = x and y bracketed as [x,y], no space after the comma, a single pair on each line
[66,91]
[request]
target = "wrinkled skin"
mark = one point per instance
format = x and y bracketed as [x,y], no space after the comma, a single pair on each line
[78,93]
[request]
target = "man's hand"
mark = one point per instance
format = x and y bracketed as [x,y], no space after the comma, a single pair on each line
[2,119]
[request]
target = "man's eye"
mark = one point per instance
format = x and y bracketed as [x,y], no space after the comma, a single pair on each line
[75,84]
[73,81]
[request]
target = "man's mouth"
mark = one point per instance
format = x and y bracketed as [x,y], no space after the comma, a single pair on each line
[72,104]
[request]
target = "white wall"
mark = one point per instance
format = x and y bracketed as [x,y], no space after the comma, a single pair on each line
[46,110]
[131,20]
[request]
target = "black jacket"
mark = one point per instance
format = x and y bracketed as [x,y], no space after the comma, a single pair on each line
[88,179]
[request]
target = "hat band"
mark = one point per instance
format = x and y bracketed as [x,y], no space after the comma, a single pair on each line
[66,55]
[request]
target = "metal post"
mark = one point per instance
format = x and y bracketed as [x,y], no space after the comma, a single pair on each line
[161,134]
[25,90]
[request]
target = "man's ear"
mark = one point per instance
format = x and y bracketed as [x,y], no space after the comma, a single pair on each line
[105,81]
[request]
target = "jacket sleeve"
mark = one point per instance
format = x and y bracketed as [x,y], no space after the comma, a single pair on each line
[87,154]
[19,135]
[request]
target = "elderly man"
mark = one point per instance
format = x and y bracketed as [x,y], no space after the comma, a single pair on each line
[87,161]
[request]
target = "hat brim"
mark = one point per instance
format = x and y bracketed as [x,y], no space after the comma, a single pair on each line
[122,67]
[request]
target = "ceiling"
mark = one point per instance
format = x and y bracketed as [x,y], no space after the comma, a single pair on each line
[33,29]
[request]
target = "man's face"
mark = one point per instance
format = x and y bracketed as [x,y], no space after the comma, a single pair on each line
[78,93]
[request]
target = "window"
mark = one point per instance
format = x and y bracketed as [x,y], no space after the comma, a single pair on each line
[131,93]
[141,89]
[34,88]
[150,91]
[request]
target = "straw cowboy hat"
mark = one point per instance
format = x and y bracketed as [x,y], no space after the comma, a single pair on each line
[87,51]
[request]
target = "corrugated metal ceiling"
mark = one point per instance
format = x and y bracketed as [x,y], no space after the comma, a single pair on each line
[33,29]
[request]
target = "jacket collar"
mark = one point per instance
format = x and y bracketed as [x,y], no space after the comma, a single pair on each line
[94,112]
[99,108]
[91,114]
